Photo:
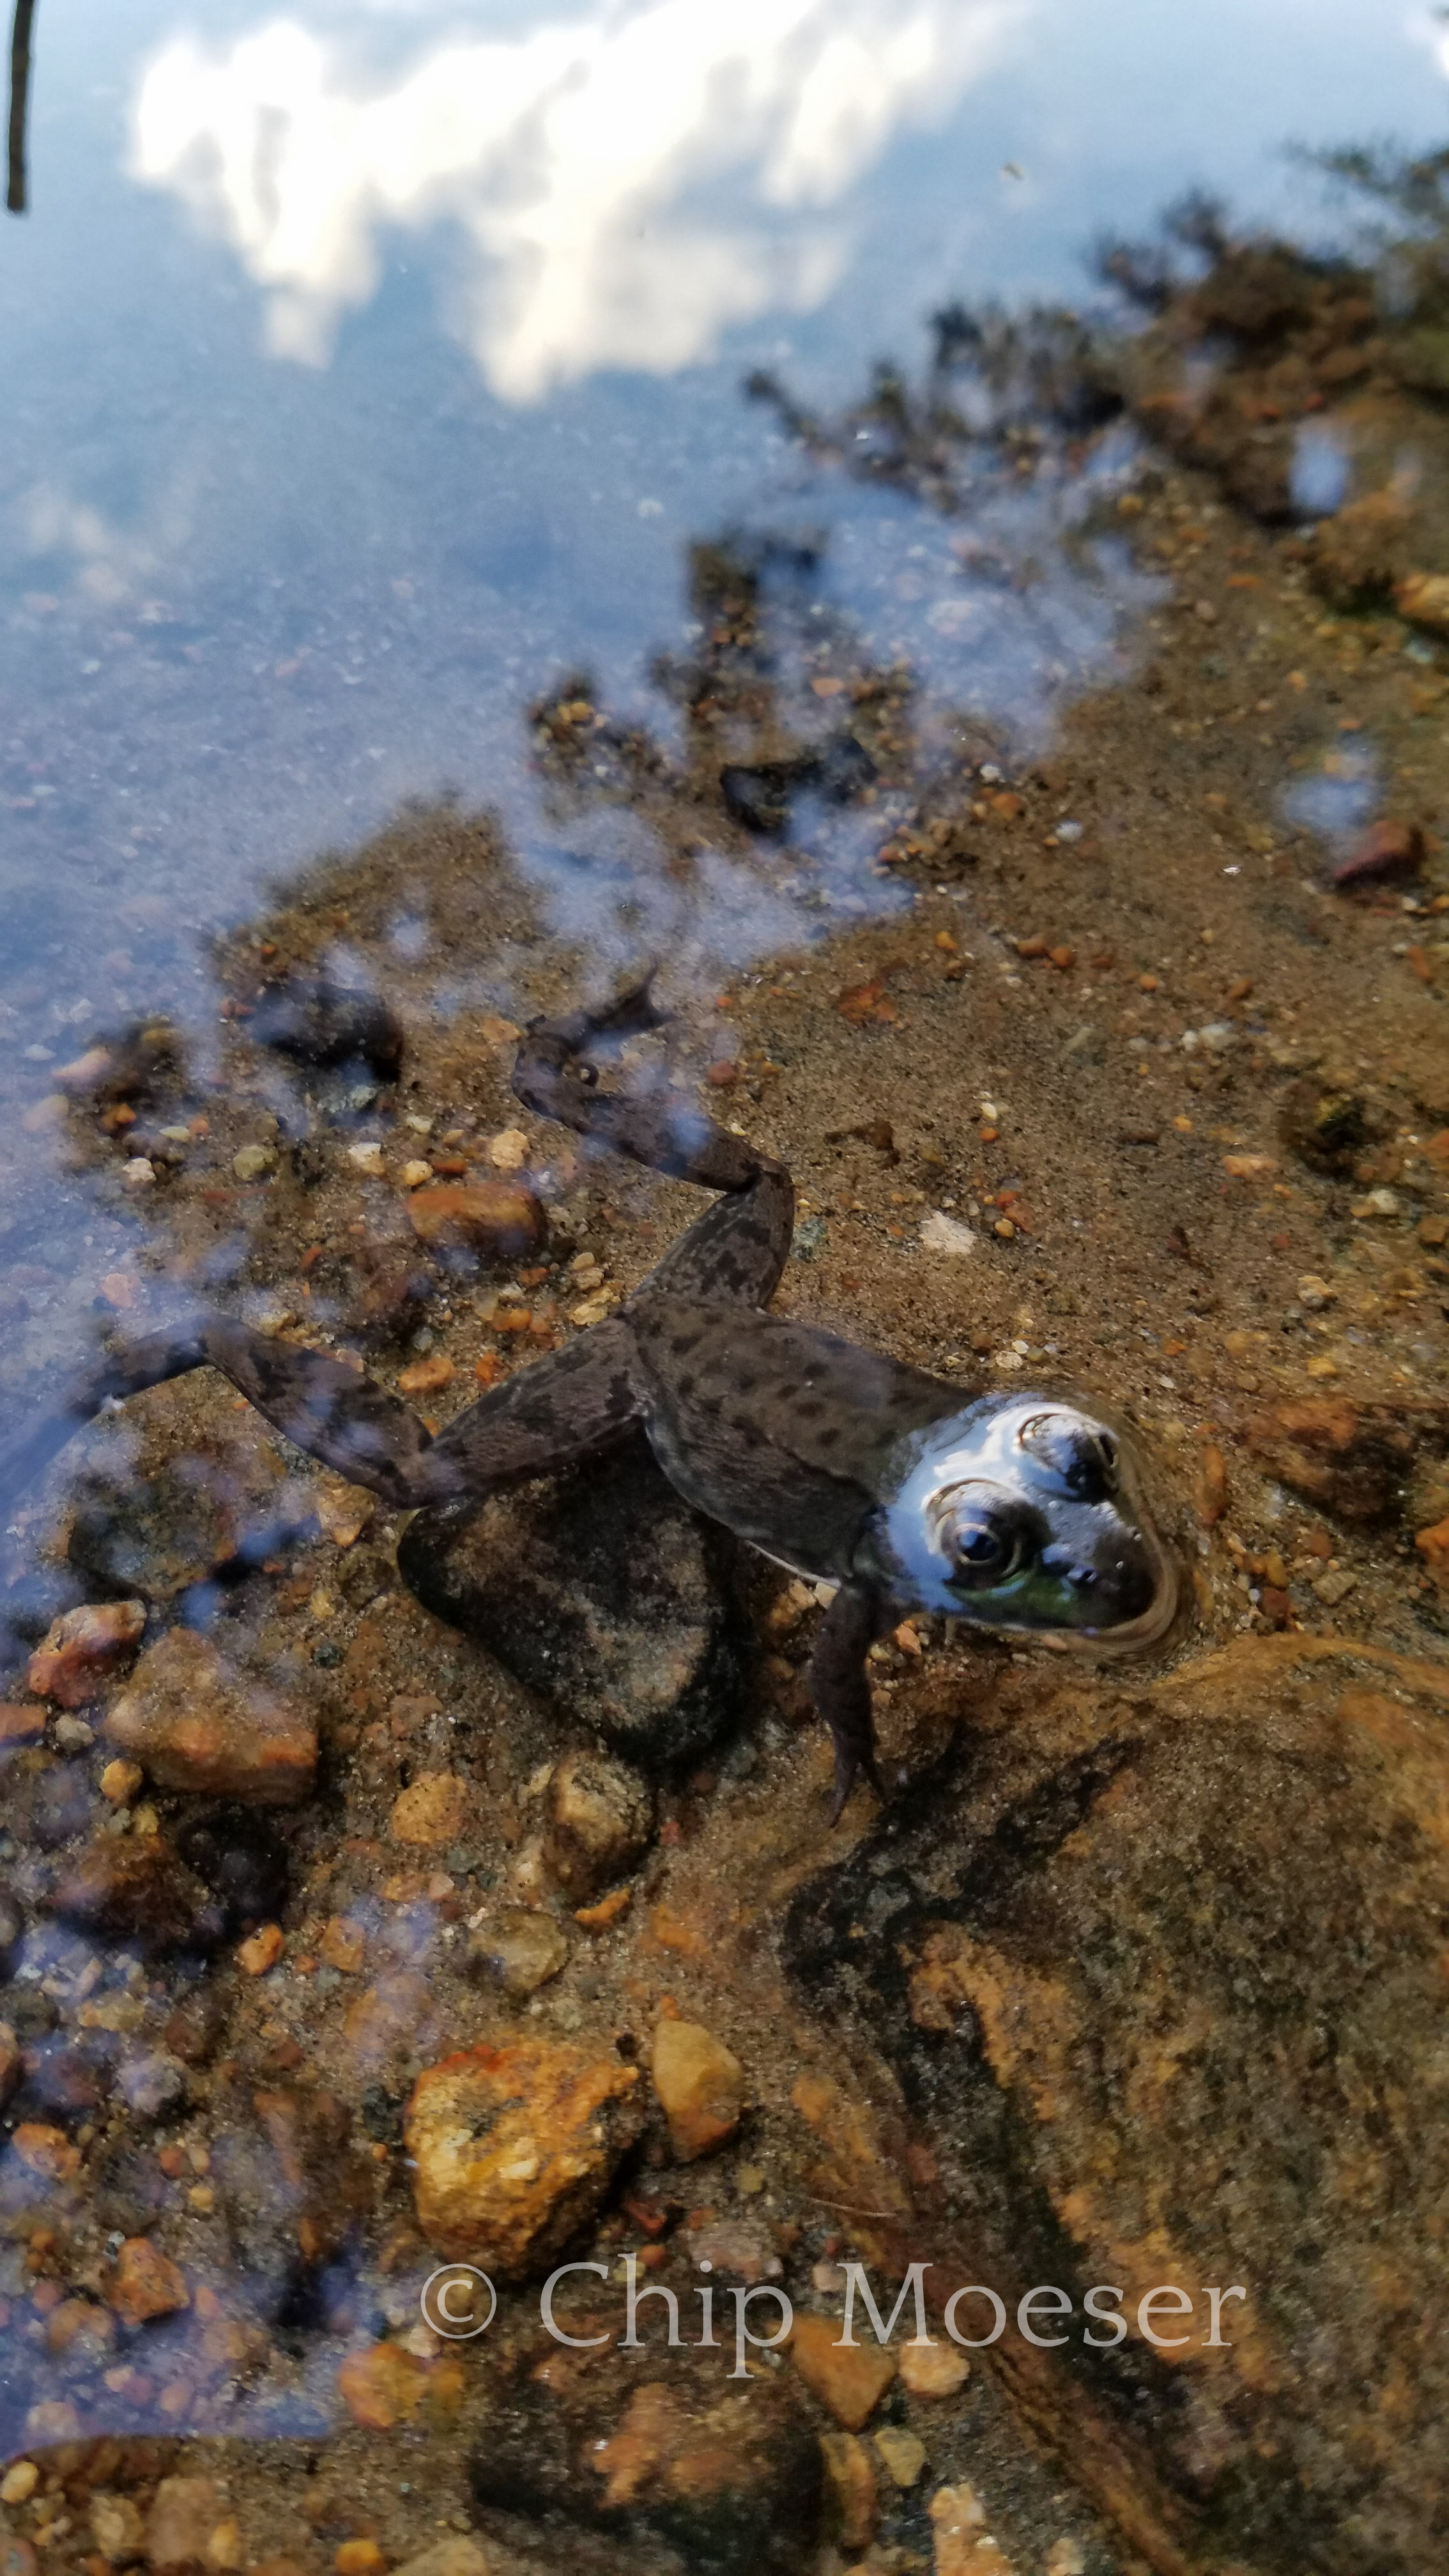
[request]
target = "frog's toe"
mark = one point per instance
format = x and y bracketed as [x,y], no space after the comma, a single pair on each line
[852,1763]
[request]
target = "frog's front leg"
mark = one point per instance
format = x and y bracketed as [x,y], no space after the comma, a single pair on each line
[735,1252]
[840,1687]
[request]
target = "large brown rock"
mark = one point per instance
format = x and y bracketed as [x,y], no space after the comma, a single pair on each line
[1160,1976]
[515,2147]
[192,1724]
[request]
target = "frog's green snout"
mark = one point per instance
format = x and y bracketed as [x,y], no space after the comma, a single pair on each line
[1111,1577]
[1023,1513]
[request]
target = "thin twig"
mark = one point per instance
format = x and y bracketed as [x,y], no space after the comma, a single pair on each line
[19,101]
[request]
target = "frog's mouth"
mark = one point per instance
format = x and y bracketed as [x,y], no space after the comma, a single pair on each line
[1025,1515]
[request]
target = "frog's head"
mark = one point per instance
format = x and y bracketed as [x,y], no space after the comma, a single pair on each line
[1026,1513]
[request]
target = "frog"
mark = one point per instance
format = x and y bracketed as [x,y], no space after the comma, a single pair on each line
[893,1490]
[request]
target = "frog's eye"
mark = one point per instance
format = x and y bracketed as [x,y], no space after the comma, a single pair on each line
[982,1551]
[1080,1454]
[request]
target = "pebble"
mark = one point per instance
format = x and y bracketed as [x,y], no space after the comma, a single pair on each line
[117,2529]
[1388,853]
[19,2483]
[518,1951]
[253,1162]
[501,1220]
[415,1175]
[599,1818]
[426,1377]
[145,2283]
[45,2151]
[903,2455]
[849,2379]
[83,1649]
[514,2148]
[139,1173]
[382,2386]
[261,1950]
[851,2489]
[343,1945]
[1433,1546]
[460,2557]
[21,1722]
[432,1811]
[193,1725]
[508,1150]
[700,2085]
[182,2519]
[963,2546]
[151,2082]
[942,1233]
[368,1158]
[343,1512]
[933,2369]
[136,1890]
[12,2062]
[1423,598]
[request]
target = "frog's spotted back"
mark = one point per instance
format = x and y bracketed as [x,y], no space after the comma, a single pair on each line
[1018,1513]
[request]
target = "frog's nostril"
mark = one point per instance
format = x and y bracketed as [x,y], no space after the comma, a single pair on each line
[1081,1577]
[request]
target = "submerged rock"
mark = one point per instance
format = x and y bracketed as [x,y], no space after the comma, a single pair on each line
[601,1592]
[1352,1458]
[318,1022]
[1160,1978]
[191,1724]
[189,1511]
[517,1951]
[515,2147]
[728,2474]
[83,1648]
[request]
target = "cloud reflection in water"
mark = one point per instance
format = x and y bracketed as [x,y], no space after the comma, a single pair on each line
[631,182]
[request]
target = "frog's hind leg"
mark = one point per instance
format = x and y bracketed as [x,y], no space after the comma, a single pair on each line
[336,1415]
[547,1416]
[736,1251]
[540,1418]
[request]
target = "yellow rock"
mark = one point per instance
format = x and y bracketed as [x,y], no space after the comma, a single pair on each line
[515,2147]
[701,2087]
[433,1811]
[849,2379]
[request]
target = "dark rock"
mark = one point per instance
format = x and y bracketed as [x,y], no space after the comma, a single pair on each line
[729,2474]
[242,1858]
[135,1889]
[51,1805]
[12,1930]
[63,2082]
[294,2184]
[321,1023]
[1327,1128]
[758,794]
[602,1592]
[128,2189]
[131,1066]
[194,2031]
[1159,1979]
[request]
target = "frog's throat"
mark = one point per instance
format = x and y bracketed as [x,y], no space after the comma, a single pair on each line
[981,1443]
